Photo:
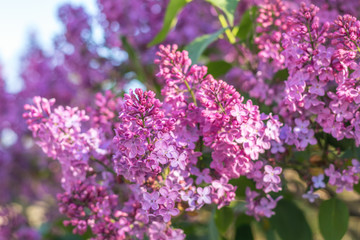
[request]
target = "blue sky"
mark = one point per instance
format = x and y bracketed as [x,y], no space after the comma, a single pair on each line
[18,18]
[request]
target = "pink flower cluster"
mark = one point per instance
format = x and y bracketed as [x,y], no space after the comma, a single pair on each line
[148,154]
[272,23]
[319,82]
[260,206]
[89,197]
[344,179]
[60,135]
[235,132]
[321,61]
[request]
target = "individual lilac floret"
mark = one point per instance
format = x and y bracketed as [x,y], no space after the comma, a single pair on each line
[318,181]
[238,113]
[150,201]
[271,174]
[168,197]
[167,213]
[277,147]
[332,174]
[204,195]
[179,160]
[311,196]
[201,176]
[301,126]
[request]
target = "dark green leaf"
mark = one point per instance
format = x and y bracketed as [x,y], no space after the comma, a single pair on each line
[302,156]
[357,188]
[243,219]
[270,234]
[289,222]
[223,218]
[246,26]
[357,152]
[227,6]
[170,19]
[347,154]
[196,47]
[343,144]
[243,232]
[218,68]
[333,219]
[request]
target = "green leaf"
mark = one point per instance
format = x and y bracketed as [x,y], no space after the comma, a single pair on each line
[243,219]
[243,232]
[271,234]
[223,218]
[196,47]
[347,154]
[333,219]
[343,144]
[170,19]
[246,26]
[218,68]
[213,231]
[302,156]
[357,188]
[227,6]
[133,58]
[289,222]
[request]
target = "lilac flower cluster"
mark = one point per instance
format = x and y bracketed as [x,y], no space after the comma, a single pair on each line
[297,41]
[235,131]
[60,136]
[344,179]
[85,198]
[271,19]
[315,68]
[321,91]
[259,79]
[260,207]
